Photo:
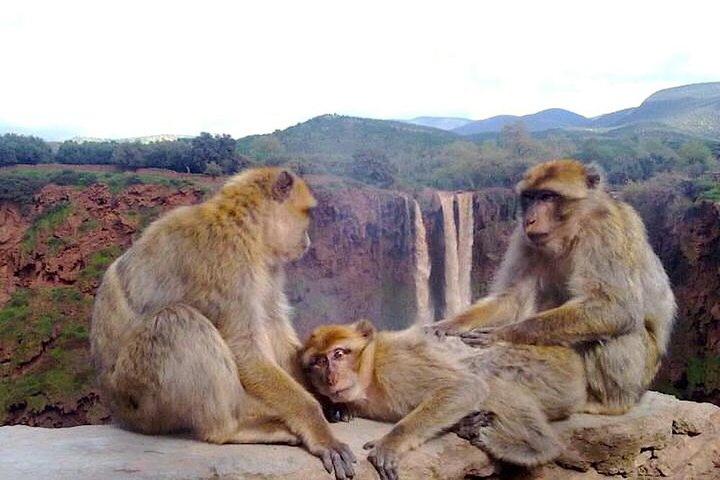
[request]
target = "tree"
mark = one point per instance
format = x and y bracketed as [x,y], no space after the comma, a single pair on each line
[374,168]
[16,149]
[128,156]
[213,169]
[515,138]
[220,149]
[696,156]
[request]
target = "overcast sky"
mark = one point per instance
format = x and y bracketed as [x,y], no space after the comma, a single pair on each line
[129,68]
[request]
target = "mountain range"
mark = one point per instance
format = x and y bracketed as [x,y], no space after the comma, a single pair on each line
[690,109]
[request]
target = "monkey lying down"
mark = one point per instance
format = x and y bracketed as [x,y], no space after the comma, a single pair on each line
[500,397]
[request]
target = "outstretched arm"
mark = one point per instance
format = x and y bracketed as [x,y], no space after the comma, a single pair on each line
[587,319]
[442,408]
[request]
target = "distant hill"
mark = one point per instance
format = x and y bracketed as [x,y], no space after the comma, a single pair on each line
[340,134]
[552,118]
[693,109]
[690,109]
[443,123]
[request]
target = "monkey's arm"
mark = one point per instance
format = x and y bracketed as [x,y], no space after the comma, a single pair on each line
[492,311]
[299,410]
[573,322]
[440,394]
[442,408]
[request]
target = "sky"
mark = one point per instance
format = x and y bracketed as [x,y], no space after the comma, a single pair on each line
[117,69]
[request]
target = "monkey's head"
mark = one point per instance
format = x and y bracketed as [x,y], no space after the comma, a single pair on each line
[338,360]
[554,196]
[281,202]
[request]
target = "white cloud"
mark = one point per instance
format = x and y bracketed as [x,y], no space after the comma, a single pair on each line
[136,68]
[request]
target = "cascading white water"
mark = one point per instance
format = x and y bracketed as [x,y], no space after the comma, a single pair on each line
[452,288]
[465,245]
[422,270]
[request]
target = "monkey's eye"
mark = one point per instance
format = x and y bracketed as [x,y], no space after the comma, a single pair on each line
[547,196]
[340,353]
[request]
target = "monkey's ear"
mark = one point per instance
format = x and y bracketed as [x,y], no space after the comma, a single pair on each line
[594,175]
[365,328]
[282,185]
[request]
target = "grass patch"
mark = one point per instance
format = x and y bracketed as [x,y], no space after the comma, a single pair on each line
[703,372]
[46,330]
[713,193]
[87,225]
[65,294]
[98,263]
[19,185]
[44,222]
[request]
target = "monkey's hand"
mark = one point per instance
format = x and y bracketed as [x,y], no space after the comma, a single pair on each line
[469,426]
[336,457]
[480,337]
[338,412]
[384,458]
[442,329]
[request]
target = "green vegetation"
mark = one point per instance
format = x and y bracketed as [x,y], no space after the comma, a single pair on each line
[45,222]
[712,193]
[386,153]
[20,185]
[184,155]
[98,263]
[61,328]
[703,373]
[389,153]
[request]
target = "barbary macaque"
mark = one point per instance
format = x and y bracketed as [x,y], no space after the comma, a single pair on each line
[499,397]
[579,272]
[190,327]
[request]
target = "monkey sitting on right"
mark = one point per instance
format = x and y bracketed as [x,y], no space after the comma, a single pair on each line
[579,272]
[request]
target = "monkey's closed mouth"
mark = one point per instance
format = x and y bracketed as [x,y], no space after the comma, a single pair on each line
[538,237]
[338,393]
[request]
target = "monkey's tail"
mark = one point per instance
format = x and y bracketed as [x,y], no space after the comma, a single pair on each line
[512,428]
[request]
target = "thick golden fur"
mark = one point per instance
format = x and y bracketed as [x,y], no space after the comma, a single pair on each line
[579,272]
[190,326]
[502,395]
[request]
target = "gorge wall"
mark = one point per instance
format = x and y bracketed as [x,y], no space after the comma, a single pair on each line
[396,258]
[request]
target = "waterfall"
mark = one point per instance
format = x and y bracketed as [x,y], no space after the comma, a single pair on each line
[452,277]
[422,270]
[465,246]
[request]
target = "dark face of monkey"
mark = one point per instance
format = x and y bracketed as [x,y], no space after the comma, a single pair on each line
[334,360]
[555,197]
[540,216]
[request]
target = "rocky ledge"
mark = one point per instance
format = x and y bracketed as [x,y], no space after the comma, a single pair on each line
[660,438]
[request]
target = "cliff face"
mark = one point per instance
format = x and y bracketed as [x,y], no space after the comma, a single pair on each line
[691,253]
[366,260]
[51,261]
[360,263]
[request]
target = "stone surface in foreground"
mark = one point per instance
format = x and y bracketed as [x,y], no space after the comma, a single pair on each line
[660,438]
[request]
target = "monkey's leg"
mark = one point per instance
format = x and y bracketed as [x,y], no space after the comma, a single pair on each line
[511,426]
[598,408]
[177,373]
[263,430]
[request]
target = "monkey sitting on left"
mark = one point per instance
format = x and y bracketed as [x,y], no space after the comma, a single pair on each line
[190,328]
[499,397]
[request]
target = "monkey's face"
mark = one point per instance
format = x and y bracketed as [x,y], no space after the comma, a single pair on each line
[554,196]
[334,360]
[333,374]
[540,216]
[286,228]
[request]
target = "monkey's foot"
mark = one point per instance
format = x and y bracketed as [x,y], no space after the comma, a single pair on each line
[469,426]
